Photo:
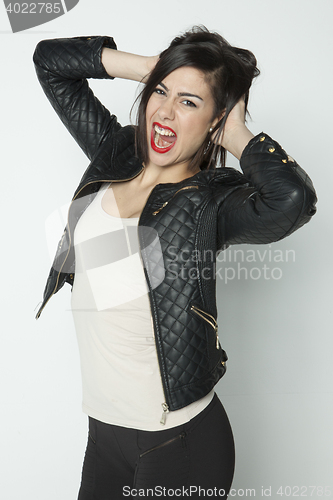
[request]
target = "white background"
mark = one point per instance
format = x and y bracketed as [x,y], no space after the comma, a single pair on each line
[277,333]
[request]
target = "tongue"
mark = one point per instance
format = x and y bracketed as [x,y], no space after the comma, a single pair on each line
[165,140]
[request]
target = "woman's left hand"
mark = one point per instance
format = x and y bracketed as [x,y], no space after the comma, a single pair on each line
[236,135]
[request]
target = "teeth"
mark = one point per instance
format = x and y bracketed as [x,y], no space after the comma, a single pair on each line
[163,131]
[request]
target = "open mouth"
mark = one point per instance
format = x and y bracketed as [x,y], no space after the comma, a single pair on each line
[162,138]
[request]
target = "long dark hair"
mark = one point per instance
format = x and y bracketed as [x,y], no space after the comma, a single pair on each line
[229,72]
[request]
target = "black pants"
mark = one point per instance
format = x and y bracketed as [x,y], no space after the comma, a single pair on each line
[175,462]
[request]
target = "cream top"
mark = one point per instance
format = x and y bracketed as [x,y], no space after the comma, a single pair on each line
[121,379]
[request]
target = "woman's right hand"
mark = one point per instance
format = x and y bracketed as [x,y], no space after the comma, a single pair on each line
[126,65]
[151,63]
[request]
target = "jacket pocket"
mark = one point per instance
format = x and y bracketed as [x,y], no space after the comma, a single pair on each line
[209,318]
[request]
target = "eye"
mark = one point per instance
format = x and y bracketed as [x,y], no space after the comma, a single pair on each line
[189,103]
[159,91]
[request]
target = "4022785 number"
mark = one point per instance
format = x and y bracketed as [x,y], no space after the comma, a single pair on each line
[34,8]
[304,491]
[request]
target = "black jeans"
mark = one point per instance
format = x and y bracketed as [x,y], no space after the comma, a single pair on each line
[175,462]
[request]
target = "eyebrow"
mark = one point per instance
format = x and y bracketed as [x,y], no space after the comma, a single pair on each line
[181,94]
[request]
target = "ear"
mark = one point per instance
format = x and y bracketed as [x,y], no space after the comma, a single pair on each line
[217,119]
[213,125]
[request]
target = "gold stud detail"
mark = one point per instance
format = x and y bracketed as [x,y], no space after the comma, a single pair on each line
[262,138]
[291,159]
[71,276]
[284,161]
[271,150]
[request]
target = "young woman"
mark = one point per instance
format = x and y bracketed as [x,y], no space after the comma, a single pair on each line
[139,249]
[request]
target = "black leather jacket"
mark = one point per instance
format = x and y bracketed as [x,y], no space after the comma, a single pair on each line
[194,218]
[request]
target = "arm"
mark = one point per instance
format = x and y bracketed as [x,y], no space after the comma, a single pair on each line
[62,67]
[278,197]
[125,65]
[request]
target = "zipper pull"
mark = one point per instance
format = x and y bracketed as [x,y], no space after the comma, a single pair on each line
[159,209]
[164,204]
[165,411]
[217,339]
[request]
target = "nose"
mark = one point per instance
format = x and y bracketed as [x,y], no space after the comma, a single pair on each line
[166,110]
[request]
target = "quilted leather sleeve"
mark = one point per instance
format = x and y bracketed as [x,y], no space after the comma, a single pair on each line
[63,66]
[278,199]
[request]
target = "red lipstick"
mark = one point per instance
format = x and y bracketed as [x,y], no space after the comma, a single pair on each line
[152,139]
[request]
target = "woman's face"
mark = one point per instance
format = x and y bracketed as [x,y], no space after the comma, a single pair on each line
[179,114]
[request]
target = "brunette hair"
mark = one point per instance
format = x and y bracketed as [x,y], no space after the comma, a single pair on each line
[228,70]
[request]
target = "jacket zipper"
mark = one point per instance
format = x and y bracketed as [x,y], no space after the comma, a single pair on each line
[210,319]
[180,436]
[69,234]
[164,204]
[165,405]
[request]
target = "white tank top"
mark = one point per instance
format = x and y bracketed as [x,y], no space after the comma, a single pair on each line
[121,379]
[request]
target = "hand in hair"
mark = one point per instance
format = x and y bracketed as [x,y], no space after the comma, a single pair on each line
[151,63]
[236,135]
[127,65]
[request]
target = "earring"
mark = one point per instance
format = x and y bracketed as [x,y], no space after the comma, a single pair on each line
[207,147]
[211,129]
